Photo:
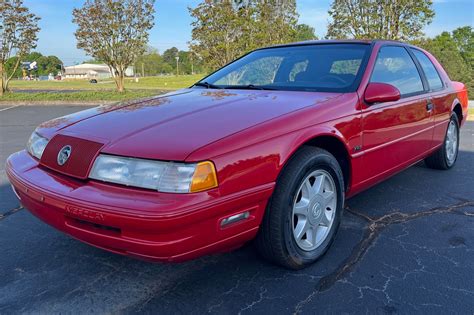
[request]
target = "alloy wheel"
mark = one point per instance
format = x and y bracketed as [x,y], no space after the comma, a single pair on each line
[451,142]
[314,210]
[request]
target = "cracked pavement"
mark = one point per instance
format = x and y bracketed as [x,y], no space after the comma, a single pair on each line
[404,246]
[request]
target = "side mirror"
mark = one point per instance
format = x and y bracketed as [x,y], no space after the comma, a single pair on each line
[381,92]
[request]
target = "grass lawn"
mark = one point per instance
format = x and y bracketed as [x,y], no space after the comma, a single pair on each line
[81,96]
[153,83]
[83,91]
[471,112]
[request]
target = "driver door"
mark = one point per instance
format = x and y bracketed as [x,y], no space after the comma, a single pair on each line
[396,134]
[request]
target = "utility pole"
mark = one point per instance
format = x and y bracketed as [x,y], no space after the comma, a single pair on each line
[177,65]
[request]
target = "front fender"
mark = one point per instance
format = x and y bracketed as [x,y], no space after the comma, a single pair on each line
[314,132]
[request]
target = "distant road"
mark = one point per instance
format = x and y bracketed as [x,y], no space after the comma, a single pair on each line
[471,104]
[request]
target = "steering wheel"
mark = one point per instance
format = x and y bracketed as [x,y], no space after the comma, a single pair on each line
[332,77]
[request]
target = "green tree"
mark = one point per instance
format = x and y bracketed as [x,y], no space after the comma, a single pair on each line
[446,51]
[151,63]
[18,35]
[384,19]
[32,56]
[12,68]
[275,22]
[169,56]
[224,30]
[188,63]
[304,32]
[464,38]
[45,64]
[114,31]
[49,64]
[217,32]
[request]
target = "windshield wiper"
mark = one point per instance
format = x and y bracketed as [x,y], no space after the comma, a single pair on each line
[208,85]
[248,87]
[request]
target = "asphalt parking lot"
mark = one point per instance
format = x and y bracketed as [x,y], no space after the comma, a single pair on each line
[405,246]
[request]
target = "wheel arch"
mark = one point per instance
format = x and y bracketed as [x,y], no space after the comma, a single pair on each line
[331,141]
[338,149]
[458,111]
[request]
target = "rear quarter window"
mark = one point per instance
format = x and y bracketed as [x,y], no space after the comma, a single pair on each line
[434,80]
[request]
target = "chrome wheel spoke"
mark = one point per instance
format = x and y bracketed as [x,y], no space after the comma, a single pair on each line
[329,198]
[326,219]
[307,190]
[301,228]
[301,207]
[312,236]
[321,233]
[319,182]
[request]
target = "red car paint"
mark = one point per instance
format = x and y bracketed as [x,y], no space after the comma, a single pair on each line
[380,93]
[248,135]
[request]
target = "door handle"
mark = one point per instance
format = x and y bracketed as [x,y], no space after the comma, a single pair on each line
[429,106]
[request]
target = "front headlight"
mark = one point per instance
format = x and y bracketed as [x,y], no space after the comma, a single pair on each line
[36,145]
[161,176]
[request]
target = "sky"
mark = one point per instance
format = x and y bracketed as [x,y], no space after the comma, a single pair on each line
[172,23]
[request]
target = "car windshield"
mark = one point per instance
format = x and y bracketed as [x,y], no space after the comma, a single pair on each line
[319,67]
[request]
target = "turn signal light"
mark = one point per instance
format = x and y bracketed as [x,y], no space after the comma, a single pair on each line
[204,177]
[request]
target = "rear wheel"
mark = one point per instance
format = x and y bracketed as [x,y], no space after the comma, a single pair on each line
[305,211]
[445,157]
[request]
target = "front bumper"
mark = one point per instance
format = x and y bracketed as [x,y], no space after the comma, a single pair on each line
[139,223]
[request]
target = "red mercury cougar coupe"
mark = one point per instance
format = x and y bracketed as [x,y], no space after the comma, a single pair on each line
[268,147]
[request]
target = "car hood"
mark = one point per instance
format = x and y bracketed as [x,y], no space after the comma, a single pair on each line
[172,126]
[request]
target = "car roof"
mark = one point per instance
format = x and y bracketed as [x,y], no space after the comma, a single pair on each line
[336,41]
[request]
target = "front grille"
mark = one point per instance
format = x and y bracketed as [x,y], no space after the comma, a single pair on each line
[83,153]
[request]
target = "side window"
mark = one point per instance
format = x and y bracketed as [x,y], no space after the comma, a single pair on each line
[429,69]
[394,66]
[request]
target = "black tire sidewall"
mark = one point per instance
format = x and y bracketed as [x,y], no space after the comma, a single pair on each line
[322,161]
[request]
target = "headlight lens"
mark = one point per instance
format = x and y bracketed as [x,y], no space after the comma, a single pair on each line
[36,145]
[162,176]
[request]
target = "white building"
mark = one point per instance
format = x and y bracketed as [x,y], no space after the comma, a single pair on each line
[91,71]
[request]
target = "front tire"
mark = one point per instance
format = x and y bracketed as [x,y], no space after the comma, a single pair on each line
[445,157]
[305,210]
